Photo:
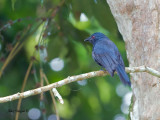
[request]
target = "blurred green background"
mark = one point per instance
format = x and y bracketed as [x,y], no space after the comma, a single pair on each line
[60,28]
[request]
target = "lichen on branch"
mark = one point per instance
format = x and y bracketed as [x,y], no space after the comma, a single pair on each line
[73,79]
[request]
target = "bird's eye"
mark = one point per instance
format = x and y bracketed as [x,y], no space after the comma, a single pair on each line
[93,37]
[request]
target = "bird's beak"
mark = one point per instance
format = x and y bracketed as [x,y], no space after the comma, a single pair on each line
[87,39]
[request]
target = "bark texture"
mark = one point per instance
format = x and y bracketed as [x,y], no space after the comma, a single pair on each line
[138,22]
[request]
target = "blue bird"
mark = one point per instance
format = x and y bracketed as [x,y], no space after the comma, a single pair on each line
[106,54]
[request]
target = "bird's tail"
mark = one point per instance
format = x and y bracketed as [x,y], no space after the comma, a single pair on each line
[123,75]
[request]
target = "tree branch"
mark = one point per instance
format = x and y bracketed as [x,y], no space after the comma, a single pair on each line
[54,90]
[73,79]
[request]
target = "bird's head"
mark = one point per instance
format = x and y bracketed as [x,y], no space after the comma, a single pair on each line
[95,37]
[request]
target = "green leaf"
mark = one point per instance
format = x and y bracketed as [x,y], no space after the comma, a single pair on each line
[13,2]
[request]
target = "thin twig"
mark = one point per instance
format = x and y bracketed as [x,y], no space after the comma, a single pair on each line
[53,99]
[57,9]
[73,79]
[8,59]
[9,24]
[41,78]
[16,48]
[56,93]
[42,104]
[22,89]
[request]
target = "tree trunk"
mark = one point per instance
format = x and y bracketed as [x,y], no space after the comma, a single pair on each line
[138,22]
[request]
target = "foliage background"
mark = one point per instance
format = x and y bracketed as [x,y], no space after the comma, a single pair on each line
[63,37]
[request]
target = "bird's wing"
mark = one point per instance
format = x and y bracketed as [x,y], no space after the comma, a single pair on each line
[119,57]
[121,61]
[106,60]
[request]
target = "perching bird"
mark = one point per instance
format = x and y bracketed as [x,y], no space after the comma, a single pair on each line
[106,54]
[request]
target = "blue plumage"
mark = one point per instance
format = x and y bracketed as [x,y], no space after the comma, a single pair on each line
[106,54]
